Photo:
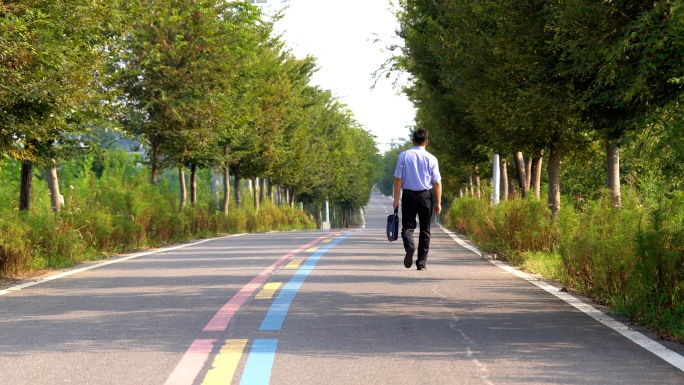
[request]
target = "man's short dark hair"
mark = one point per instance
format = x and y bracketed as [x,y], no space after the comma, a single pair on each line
[420,136]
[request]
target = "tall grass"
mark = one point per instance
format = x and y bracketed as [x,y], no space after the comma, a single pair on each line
[116,212]
[512,228]
[657,297]
[630,258]
[598,246]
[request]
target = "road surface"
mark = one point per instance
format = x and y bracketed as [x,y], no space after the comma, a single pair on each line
[314,307]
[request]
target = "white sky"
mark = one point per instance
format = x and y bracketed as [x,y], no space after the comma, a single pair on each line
[341,34]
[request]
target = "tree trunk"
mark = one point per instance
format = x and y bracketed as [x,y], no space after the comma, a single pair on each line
[53,186]
[471,189]
[271,190]
[613,171]
[257,194]
[236,188]
[512,187]
[193,184]
[262,189]
[536,176]
[183,190]
[528,173]
[155,166]
[288,197]
[226,190]
[504,179]
[317,212]
[554,199]
[26,184]
[522,177]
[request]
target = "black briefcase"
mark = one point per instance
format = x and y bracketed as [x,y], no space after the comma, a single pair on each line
[393,226]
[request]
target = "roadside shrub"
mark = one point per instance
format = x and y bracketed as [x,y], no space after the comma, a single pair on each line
[282,218]
[470,216]
[658,296]
[630,258]
[598,246]
[510,228]
[236,220]
[523,225]
[114,212]
[547,264]
[14,244]
[54,243]
[9,193]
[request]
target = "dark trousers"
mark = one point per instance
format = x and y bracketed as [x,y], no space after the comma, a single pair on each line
[416,203]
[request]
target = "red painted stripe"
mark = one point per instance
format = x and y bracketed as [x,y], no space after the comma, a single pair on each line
[223,317]
[191,363]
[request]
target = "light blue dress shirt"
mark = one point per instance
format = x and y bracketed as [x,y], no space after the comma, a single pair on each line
[418,169]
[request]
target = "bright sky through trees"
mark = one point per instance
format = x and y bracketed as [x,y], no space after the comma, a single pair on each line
[341,35]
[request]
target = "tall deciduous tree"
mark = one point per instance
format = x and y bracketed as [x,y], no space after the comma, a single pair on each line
[621,59]
[176,63]
[268,88]
[52,56]
[483,79]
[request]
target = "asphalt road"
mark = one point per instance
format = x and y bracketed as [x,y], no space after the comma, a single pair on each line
[338,308]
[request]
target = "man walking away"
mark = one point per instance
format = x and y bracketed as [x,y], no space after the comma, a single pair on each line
[416,174]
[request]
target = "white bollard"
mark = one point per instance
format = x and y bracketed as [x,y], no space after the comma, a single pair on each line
[496,180]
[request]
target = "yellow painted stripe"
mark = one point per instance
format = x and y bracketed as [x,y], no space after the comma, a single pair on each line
[311,249]
[294,264]
[326,240]
[268,290]
[225,363]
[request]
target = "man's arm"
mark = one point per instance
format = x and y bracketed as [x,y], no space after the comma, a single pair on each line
[397,191]
[438,196]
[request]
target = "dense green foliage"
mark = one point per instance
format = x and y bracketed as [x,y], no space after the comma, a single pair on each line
[537,76]
[594,87]
[630,259]
[203,85]
[116,212]
[52,54]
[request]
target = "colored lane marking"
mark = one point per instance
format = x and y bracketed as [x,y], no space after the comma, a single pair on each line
[192,362]
[294,264]
[269,290]
[326,240]
[223,317]
[225,363]
[260,362]
[311,250]
[281,305]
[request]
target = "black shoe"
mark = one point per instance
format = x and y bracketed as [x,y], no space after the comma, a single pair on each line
[421,267]
[408,259]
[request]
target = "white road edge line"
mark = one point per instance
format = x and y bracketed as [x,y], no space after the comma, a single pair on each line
[671,357]
[101,264]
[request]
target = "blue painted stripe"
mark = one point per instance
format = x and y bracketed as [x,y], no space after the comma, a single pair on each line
[281,305]
[259,363]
